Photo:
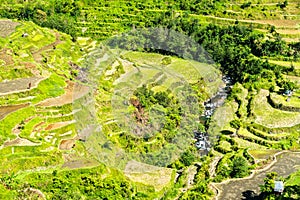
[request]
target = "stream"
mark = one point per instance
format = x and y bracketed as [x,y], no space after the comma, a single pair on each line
[218,99]
[202,138]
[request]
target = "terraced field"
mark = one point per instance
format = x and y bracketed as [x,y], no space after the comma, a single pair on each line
[45,110]
[32,123]
[269,122]
[71,103]
[115,17]
[286,164]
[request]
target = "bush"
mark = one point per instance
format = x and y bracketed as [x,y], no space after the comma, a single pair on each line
[187,158]
[240,167]
[166,60]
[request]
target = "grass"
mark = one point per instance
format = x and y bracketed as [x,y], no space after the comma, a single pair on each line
[244,132]
[6,193]
[242,100]
[153,176]
[280,99]
[246,144]
[19,159]
[271,117]
[222,117]
[190,70]
[286,63]
[294,179]
[225,145]
[28,128]
[261,153]
[9,73]
[150,64]
[37,37]
[51,87]
[11,120]
[293,78]
[28,160]
[269,136]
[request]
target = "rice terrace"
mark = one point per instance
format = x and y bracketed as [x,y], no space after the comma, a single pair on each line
[150,99]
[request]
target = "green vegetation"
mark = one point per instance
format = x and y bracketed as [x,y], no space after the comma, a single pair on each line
[42,76]
[233,166]
[291,189]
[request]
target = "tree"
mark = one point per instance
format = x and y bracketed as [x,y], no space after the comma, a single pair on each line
[240,167]
[268,185]
[187,158]
[283,5]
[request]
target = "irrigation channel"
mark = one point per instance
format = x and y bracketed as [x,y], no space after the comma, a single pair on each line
[248,188]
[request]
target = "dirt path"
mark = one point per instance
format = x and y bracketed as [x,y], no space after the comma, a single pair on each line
[284,164]
[191,171]
[213,166]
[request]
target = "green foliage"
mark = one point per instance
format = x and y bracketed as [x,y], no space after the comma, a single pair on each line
[240,167]
[283,5]
[236,124]
[148,99]
[51,87]
[14,73]
[75,184]
[10,121]
[268,186]
[239,51]
[166,60]
[187,158]
[246,5]
[233,166]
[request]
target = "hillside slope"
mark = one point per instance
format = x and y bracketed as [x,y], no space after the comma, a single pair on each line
[45,95]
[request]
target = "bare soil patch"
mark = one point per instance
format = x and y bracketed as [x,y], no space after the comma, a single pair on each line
[35,191]
[19,85]
[288,31]
[32,67]
[291,39]
[7,27]
[74,164]
[67,144]
[57,125]
[6,57]
[5,110]
[20,142]
[38,127]
[263,154]
[281,23]
[72,92]
[80,91]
